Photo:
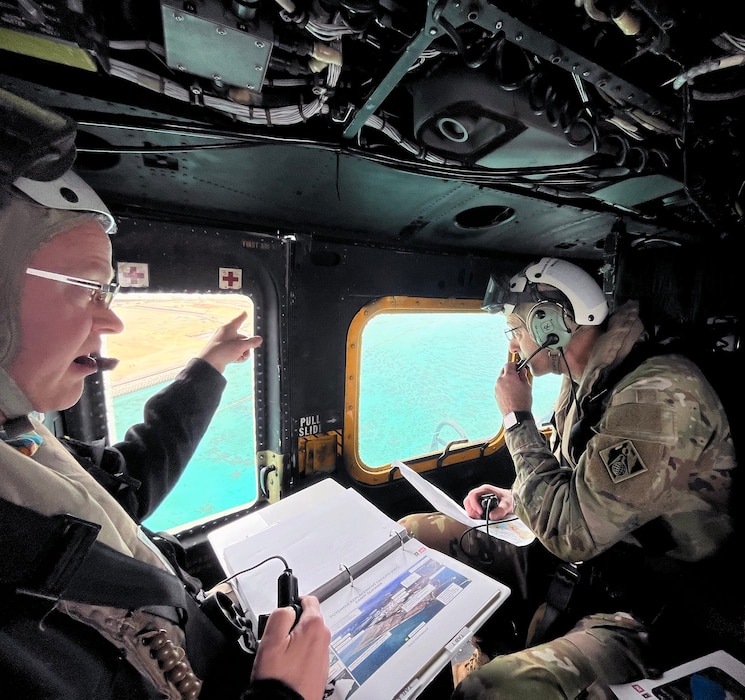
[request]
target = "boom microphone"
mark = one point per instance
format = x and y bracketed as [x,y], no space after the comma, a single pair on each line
[551,339]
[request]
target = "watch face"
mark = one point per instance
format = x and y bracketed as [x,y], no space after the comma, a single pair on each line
[515,418]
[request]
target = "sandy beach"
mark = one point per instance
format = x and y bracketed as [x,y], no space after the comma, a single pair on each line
[162,332]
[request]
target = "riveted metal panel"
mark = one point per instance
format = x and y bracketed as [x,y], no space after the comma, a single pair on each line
[209,41]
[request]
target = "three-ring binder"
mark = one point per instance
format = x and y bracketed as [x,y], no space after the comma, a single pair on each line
[347,574]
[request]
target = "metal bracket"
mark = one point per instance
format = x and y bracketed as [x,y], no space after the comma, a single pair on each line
[491,18]
[446,451]
[270,466]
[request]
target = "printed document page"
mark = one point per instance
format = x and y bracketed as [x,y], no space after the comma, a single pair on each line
[715,676]
[512,530]
[407,615]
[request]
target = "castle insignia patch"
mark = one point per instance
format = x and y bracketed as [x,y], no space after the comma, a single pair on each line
[622,461]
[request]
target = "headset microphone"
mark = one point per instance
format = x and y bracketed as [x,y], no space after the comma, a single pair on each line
[551,339]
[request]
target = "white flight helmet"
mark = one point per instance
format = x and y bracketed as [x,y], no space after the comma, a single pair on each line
[67,192]
[589,305]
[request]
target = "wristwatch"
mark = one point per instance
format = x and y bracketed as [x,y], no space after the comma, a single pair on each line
[515,418]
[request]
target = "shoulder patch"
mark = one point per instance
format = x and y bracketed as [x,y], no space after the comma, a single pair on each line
[622,461]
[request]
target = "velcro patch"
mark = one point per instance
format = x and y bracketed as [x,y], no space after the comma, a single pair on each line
[622,461]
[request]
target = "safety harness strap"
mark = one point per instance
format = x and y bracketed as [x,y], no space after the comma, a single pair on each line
[52,557]
[558,600]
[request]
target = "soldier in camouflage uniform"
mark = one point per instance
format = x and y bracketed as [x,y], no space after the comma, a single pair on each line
[634,482]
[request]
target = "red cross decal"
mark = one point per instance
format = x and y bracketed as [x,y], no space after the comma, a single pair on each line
[230,278]
[132,274]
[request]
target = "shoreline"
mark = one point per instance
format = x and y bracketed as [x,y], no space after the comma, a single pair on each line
[162,332]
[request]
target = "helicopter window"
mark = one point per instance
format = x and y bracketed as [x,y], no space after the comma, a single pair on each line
[162,333]
[426,378]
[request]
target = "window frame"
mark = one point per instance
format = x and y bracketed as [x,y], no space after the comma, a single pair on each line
[453,453]
[242,300]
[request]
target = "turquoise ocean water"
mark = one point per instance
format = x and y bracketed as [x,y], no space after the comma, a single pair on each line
[222,472]
[423,382]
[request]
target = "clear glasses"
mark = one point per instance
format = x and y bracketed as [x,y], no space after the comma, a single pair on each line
[513,332]
[100,293]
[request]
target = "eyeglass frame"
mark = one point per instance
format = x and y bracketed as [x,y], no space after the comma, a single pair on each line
[102,293]
[510,332]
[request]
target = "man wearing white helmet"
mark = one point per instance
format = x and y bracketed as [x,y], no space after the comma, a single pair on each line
[628,499]
[90,607]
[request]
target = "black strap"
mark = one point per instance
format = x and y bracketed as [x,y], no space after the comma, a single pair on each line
[558,599]
[52,557]
[13,427]
[104,464]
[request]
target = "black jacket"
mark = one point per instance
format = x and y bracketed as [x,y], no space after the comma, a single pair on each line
[46,654]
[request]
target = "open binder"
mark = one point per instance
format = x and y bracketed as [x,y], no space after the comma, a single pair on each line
[398,611]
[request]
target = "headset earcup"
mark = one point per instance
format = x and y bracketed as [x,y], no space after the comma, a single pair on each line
[545,318]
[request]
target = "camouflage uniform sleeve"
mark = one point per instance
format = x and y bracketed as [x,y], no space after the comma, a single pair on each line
[662,448]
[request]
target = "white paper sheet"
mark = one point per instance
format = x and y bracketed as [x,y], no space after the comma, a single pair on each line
[512,530]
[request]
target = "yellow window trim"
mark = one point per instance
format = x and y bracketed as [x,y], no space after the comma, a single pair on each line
[457,453]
